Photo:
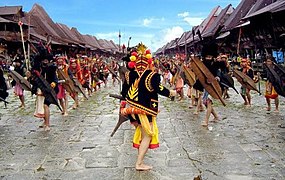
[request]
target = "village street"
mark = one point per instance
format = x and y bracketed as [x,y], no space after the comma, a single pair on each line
[247,143]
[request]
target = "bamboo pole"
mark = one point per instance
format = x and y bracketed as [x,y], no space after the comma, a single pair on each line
[185,41]
[23,43]
[29,34]
[119,40]
[238,45]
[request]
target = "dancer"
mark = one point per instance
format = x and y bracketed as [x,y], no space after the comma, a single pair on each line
[18,90]
[270,92]
[46,69]
[61,95]
[141,90]
[245,92]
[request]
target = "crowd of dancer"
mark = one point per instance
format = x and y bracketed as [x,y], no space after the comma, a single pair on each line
[218,64]
[145,78]
[85,74]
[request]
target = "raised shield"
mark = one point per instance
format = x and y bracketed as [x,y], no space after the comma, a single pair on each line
[208,81]
[68,83]
[21,80]
[78,87]
[189,75]
[245,80]
[46,89]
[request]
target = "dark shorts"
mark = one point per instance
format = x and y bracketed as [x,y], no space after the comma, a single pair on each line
[48,101]
[137,119]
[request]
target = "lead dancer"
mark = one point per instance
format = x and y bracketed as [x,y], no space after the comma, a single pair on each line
[141,90]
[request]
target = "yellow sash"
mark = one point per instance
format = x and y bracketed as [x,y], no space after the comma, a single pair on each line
[151,131]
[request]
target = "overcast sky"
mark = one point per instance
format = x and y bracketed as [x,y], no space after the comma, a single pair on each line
[153,22]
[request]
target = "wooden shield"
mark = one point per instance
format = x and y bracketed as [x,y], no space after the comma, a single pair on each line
[245,80]
[228,81]
[189,75]
[47,90]
[68,84]
[78,87]
[21,80]
[275,79]
[207,79]
[113,72]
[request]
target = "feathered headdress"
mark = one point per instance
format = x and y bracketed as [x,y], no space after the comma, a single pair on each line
[140,59]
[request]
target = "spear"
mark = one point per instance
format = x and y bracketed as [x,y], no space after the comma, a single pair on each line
[20,23]
[129,42]
[120,40]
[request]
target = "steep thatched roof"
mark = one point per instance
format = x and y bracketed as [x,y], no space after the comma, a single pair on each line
[236,17]
[272,8]
[219,21]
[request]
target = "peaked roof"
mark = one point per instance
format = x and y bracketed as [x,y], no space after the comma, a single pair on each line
[10,10]
[105,44]
[77,34]
[167,45]
[206,23]
[259,5]
[272,8]
[219,21]
[209,20]
[236,17]
[67,31]
[173,44]
[43,23]
[45,26]
[186,35]
[92,41]
[116,47]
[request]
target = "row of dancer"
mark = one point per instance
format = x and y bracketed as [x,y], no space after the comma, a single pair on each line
[87,75]
[218,65]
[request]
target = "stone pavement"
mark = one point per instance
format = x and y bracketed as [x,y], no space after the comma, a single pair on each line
[247,144]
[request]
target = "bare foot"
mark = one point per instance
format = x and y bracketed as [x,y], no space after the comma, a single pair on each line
[65,114]
[268,109]
[22,106]
[215,120]
[195,113]
[74,106]
[247,105]
[204,124]
[143,167]
[276,110]
[46,128]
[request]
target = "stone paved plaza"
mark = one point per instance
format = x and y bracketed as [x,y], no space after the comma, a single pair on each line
[247,143]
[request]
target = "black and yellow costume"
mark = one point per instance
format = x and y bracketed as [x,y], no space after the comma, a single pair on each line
[141,90]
